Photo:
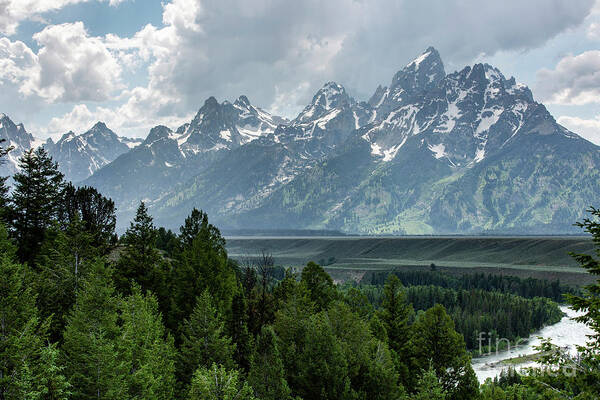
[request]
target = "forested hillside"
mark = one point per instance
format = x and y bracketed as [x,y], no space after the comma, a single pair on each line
[157,315]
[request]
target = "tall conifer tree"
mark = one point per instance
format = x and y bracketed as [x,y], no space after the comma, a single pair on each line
[35,200]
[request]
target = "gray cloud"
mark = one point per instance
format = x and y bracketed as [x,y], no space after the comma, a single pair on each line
[270,49]
[575,80]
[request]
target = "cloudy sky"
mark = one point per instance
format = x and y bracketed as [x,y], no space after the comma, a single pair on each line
[65,64]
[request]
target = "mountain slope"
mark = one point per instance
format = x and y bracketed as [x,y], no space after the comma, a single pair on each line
[167,158]
[247,175]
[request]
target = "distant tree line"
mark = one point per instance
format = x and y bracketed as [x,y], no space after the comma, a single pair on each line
[524,287]
[499,315]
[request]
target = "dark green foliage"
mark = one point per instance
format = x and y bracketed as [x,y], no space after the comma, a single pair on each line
[140,261]
[96,212]
[62,264]
[396,315]
[322,368]
[477,311]
[201,264]
[166,241]
[73,327]
[203,340]
[528,287]
[371,368]
[196,224]
[590,302]
[267,376]
[5,209]
[429,387]
[147,349]
[94,366]
[22,333]
[319,285]
[219,383]
[35,201]
[435,343]
[44,378]
[237,328]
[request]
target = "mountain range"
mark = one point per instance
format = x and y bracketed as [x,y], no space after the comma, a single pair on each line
[78,156]
[431,153]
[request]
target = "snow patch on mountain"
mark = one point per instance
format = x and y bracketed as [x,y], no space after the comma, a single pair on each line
[438,150]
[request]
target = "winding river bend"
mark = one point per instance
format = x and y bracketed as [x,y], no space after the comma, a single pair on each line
[566,333]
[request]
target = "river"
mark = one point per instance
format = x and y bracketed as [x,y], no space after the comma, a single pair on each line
[566,333]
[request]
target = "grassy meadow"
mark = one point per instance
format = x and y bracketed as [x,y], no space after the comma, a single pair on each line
[545,257]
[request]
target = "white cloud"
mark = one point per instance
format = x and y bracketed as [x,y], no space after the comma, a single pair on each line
[594,31]
[575,80]
[17,61]
[586,128]
[12,12]
[70,65]
[125,120]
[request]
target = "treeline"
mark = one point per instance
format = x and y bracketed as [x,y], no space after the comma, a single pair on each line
[498,315]
[528,287]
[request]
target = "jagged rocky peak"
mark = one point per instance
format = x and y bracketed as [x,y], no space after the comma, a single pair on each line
[242,101]
[378,96]
[67,136]
[489,80]
[157,133]
[422,73]
[331,96]
[98,126]
[6,122]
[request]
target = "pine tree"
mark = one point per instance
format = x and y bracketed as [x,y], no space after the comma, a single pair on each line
[267,376]
[196,225]
[22,335]
[44,378]
[237,328]
[203,340]
[218,383]
[395,314]
[589,304]
[4,198]
[93,364]
[429,387]
[94,211]
[62,264]
[35,201]
[148,350]
[140,261]
[201,264]
[319,284]
[436,343]
[322,371]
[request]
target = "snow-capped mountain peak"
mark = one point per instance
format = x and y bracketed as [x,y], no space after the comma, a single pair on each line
[423,73]
[331,96]
[461,117]
[79,156]
[17,137]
